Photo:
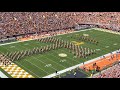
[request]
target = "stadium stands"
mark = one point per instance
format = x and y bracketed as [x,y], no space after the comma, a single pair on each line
[112,72]
[18,23]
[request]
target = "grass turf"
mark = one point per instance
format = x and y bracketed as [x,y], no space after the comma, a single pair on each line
[44,64]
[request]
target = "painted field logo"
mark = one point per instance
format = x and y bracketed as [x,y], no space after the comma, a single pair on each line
[77,43]
[63,55]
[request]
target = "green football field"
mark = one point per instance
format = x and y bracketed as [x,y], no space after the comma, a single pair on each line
[41,65]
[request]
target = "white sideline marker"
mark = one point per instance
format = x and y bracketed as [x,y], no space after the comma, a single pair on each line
[2,75]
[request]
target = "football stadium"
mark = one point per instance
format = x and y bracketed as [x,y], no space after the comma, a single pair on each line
[59,45]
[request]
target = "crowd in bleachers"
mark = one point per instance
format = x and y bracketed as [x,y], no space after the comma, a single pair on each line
[112,72]
[14,23]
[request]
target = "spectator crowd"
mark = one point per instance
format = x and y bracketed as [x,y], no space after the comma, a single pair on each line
[112,72]
[16,23]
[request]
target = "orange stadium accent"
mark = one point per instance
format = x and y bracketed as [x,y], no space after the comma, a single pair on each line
[103,62]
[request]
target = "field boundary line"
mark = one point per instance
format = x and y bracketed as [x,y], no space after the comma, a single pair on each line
[2,75]
[105,30]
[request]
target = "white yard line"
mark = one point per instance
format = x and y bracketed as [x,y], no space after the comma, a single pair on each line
[39,60]
[27,69]
[33,63]
[37,67]
[55,62]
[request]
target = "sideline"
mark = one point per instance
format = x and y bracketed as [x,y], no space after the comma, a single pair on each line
[109,31]
[99,29]
[44,37]
[2,75]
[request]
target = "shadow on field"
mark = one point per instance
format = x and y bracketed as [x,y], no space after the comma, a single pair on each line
[77,74]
